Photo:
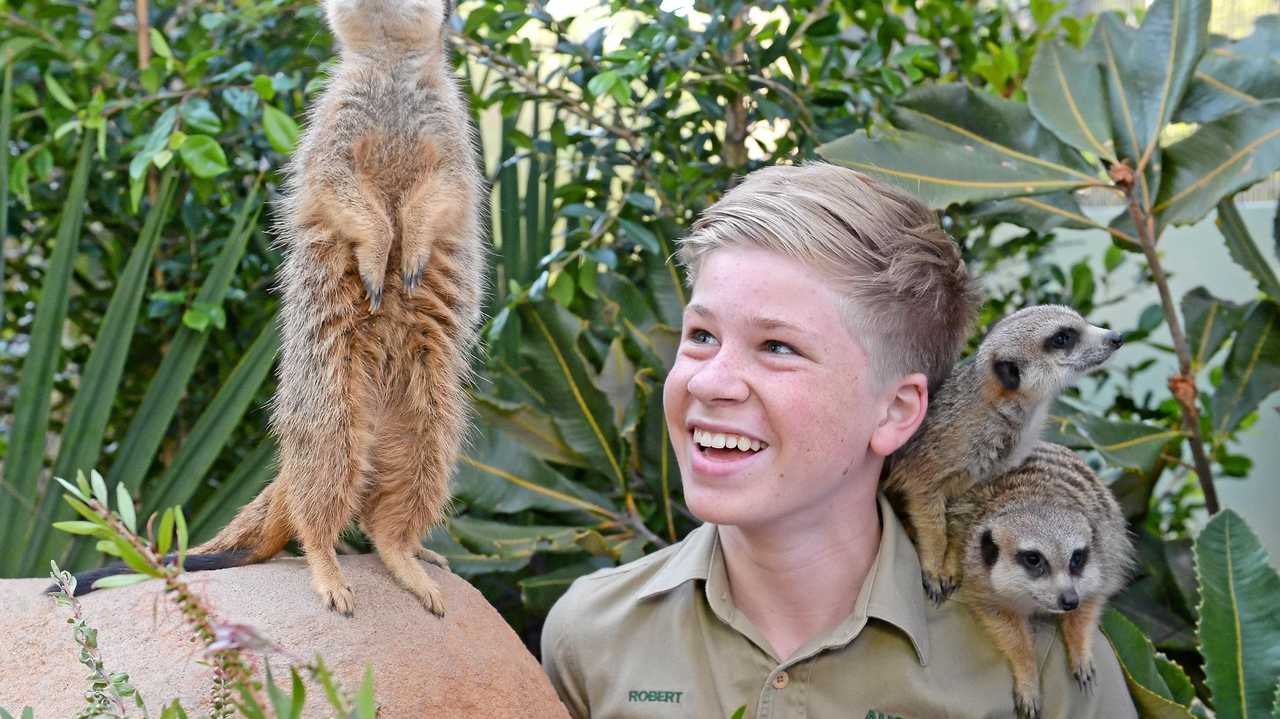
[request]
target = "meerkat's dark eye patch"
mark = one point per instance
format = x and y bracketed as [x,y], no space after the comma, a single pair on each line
[1034,562]
[1079,558]
[1008,373]
[990,552]
[1062,340]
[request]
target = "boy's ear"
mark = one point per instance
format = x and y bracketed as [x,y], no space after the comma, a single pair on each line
[906,402]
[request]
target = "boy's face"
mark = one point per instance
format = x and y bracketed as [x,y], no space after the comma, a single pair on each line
[765,354]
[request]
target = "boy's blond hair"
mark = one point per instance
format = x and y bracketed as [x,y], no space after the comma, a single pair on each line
[909,300]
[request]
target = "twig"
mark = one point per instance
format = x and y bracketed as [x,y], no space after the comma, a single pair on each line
[144,34]
[1182,384]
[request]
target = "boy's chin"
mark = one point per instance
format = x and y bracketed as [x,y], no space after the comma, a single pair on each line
[729,507]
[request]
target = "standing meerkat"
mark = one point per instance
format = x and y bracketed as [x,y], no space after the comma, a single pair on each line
[985,418]
[382,287]
[1047,537]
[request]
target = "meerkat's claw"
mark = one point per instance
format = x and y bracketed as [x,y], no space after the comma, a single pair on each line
[1084,676]
[1027,706]
[938,589]
[410,279]
[431,557]
[341,600]
[373,290]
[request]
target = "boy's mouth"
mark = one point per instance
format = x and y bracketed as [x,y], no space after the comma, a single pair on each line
[725,446]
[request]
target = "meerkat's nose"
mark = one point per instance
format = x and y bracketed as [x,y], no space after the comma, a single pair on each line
[1113,339]
[1068,600]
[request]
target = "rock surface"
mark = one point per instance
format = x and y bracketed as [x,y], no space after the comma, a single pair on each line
[468,664]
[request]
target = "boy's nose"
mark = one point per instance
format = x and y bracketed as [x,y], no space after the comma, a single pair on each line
[719,379]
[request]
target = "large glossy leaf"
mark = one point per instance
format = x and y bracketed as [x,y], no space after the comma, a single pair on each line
[512,540]
[1136,445]
[24,457]
[498,474]
[1041,213]
[1066,93]
[538,593]
[1239,625]
[1244,250]
[953,144]
[467,563]
[533,428]
[1209,322]
[1234,75]
[6,120]
[216,423]
[100,378]
[1144,670]
[1223,156]
[1252,370]
[563,376]
[1147,71]
[944,173]
[147,430]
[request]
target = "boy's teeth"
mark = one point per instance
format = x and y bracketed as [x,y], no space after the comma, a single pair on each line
[720,440]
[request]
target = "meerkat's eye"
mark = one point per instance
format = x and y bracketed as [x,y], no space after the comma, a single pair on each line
[1063,339]
[1078,559]
[1033,561]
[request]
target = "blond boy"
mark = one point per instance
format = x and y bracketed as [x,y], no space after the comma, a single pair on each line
[824,306]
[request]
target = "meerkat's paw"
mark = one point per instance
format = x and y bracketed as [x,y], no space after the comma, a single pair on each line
[372,291]
[431,557]
[412,266]
[1026,704]
[939,587]
[338,598]
[1084,675]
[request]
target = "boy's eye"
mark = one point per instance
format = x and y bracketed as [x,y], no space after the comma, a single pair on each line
[777,347]
[697,336]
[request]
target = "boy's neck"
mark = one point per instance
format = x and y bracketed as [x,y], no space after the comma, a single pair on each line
[797,582]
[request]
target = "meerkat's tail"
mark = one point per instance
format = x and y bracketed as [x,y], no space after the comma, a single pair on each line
[258,532]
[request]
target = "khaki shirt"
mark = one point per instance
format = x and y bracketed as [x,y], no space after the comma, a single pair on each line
[660,637]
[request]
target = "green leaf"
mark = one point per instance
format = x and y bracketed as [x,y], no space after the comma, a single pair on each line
[80,527]
[366,705]
[167,386]
[1252,370]
[581,412]
[262,85]
[1147,71]
[164,533]
[533,429]
[100,379]
[1209,322]
[160,45]
[1136,445]
[1220,158]
[13,48]
[539,592]
[282,131]
[217,422]
[1244,250]
[99,488]
[740,713]
[498,474]
[511,540]
[1142,672]
[181,522]
[1235,74]
[958,145]
[601,84]
[120,580]
[287,706]
[203,156]
[561,287]
[466,563]
[24,457]
[1239,627]
[617,380]
[134,558]
[1065,93]
[55,89]
[199,116]
[124,505]
[1041,213]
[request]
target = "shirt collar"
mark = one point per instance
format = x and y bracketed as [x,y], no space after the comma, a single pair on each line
[891,592]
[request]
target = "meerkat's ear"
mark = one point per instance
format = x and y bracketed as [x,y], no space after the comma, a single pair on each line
[1008,373]
[990,552]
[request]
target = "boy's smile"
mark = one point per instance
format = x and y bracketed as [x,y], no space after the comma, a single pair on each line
[769,403]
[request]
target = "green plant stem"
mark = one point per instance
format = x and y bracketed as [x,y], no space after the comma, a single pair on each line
[1182,384]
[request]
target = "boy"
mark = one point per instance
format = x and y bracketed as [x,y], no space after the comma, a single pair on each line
[824,307]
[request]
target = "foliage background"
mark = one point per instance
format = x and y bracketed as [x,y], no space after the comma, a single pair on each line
[606,128]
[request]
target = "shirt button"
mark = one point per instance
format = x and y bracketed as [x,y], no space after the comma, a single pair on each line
[780,680]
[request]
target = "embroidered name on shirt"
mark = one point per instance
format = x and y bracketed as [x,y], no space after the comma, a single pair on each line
[636,695]
[873,714]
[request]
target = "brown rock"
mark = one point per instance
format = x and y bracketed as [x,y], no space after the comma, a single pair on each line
[468,664]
